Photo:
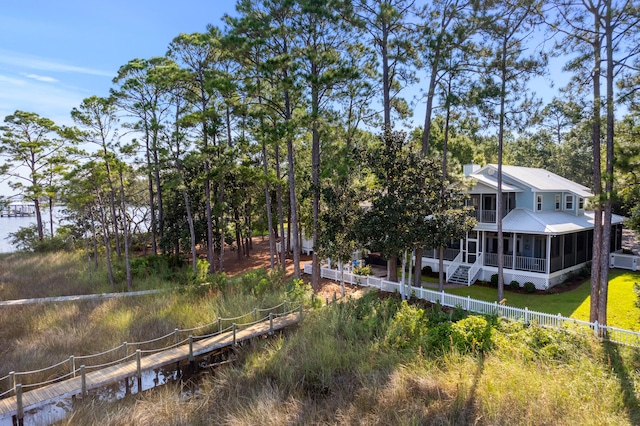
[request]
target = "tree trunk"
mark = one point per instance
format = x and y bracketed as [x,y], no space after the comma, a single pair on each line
[267,193]
[125,233]
[596,265]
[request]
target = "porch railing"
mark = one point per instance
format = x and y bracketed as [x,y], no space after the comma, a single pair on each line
[449,253]
[522,263]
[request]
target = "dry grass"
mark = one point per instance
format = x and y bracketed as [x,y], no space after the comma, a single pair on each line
[319,375]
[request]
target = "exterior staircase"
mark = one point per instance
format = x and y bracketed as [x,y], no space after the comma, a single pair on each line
[460,276]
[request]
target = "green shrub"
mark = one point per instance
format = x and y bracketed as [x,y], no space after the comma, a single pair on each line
[515,285]
[438,338]
[472,334]
[494,280]
[529,287]
[362,270]
[406,327]
[426,270]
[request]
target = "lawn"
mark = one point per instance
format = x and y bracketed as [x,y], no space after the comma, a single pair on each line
[622,311]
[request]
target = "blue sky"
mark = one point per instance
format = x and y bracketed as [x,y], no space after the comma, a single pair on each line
[53,54]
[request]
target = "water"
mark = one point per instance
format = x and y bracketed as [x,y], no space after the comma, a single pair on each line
[9,225]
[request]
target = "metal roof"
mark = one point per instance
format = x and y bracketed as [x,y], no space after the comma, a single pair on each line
[492,182]
[539,180]
[545,223]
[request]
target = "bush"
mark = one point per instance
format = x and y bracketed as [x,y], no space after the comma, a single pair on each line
[472,334]
[406,327]
[427,270]
[494,280]
[362,270]
[529,287]
[515,285]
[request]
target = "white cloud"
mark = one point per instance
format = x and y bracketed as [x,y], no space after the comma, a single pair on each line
[43,78]
[22,60]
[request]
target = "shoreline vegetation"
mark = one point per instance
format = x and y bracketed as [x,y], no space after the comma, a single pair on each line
[371,359]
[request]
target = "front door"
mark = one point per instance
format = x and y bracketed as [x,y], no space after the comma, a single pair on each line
[472,250]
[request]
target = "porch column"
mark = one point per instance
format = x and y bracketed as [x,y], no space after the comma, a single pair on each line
[513,251]
[483,247]
[548,256]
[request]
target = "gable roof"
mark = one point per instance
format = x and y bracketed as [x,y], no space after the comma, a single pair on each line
[538,180]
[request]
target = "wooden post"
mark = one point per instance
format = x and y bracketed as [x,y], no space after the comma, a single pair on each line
[255,314]
[526,315]
[270,322]
[72,366]
[125,348]
[12,381]
[83,380]
[177,336]
[234,333]
[19,406]
[139,369]
[219,325]
[191,357]
[284,307]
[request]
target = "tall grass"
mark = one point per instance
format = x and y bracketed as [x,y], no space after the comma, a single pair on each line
[348,364]
[40,335]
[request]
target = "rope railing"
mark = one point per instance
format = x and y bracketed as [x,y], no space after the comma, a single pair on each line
[109,364]
[47,382]
[98,354]
[71,362]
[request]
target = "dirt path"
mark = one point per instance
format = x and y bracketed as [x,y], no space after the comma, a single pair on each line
[259,258]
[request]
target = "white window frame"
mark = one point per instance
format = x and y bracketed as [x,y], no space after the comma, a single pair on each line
[558,201]
[580,203]
[539,202]
[568,201]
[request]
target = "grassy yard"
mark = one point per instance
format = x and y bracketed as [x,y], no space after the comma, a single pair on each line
[622,311]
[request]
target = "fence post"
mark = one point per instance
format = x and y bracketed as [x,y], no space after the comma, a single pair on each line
[559,320]
[526,315]
[270,322]
[126,349]
[255,314]
[139,363]
[234,333]
[83,380]
[191,358]
[72,367]
[139,369]
[219,325]
[19,406]
[12,381]
[177,335]
[442,298]
[596,328]
[285,307]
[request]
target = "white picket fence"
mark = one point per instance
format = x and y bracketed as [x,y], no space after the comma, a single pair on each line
[608,333]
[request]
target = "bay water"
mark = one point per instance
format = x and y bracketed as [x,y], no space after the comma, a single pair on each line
[10,225]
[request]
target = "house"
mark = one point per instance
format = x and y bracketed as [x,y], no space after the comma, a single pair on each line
[547,231]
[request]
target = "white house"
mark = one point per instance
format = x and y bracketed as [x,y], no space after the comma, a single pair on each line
[547,232]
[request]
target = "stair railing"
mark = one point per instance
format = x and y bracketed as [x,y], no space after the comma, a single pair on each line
[453,266]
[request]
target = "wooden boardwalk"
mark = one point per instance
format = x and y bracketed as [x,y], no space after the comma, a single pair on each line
[99,378]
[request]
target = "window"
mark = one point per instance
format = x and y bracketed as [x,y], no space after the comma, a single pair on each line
[557,201]
[568,205]
[539,202]
[580,203]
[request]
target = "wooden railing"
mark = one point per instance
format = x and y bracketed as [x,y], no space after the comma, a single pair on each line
[19,381]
